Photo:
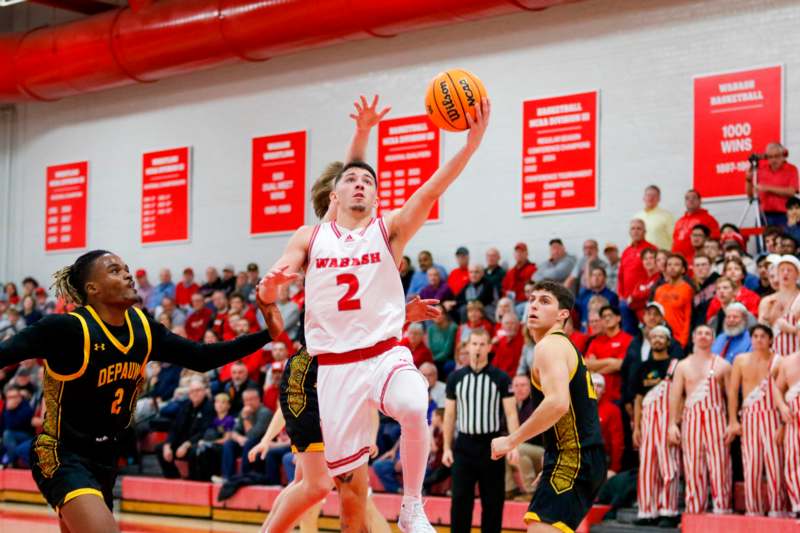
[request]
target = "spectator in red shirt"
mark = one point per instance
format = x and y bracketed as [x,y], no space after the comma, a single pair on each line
[508,345]
[272,387]
[607,351]
[734,272]
[777,180]
[642,292]
[459,276]
[476,318]
[632,272]
[186,288]
[220,301]
[610,426]
[682,241]
[518,275]
[415,342]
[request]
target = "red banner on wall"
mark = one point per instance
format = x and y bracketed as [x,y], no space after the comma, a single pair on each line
[165,195]
[279,183]
[65,218]
[559,154]
[408,154]
[735,114]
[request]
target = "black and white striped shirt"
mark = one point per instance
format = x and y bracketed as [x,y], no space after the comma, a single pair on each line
[478,396]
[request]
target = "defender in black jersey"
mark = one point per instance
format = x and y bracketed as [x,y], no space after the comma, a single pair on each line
[566,412]
[299,404]
[95,361]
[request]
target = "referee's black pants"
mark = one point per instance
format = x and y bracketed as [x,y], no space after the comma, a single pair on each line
[472,463]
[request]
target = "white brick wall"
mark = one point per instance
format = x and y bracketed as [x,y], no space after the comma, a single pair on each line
[641,55]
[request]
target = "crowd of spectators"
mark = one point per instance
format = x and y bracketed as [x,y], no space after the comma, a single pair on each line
[674,273]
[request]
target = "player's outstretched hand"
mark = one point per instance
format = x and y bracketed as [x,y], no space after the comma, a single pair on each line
[418,309]
[501,446]
[477,126]
[259,451]
[268,286]
[367,115]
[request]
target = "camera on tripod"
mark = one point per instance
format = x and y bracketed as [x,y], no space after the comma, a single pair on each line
[755,158]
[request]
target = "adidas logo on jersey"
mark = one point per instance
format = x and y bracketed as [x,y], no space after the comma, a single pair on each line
[342,262]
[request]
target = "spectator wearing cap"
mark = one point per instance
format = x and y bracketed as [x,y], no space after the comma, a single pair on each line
[611,253]
[643,292]
[659,222]
[44,303]
[213,283]
[606,351]
[610,426]
[494,271]
[559,266]
[579,277]
[478,288]
[705,287]
[414,340]
[199,318]
[631,271]
[675,295]
[777,181]
[228,279]
[143,287]
[420,277]
[185,289]
[596,287]
[248,290]
[459,276]
[734,339]
[518,275]
[682,240]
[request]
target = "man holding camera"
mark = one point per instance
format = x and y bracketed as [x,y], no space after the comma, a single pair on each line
[777,181]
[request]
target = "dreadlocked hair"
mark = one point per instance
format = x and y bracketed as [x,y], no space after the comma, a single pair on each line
[70,281]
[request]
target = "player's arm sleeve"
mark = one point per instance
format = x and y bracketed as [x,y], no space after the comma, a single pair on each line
[171,348]
[58,339]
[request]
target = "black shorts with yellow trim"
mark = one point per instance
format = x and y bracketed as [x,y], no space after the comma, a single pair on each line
[299,404]
[568,486]
[62,475]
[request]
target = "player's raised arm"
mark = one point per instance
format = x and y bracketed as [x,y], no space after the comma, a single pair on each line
[554,376]
[286,267]
[366,117]
[406,221]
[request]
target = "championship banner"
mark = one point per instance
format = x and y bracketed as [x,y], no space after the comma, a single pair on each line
[735,114]
[408,154]
[559,154]
[278,195]
[65,219]
[165,196]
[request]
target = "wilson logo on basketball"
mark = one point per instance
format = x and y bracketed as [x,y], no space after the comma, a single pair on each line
[342,262]
[447,101]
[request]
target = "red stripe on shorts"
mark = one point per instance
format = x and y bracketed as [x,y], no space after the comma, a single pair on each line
[348,460]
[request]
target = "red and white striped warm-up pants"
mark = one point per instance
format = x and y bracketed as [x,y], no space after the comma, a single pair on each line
[706,456]
[760,451]
[792,443]
[659,462]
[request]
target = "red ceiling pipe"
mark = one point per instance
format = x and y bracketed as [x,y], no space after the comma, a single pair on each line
[171,37]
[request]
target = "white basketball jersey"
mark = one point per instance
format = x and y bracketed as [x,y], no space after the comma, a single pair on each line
[354,296]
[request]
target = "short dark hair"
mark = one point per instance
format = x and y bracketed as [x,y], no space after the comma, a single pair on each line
[565,297]
[702,227]
[792,201]
[30,280]
[764,329]
[681,258]
[237,295]
[647,251]
[611,308]
[654,187]
[770,231]
[599,267]
[556,241]
[355,164]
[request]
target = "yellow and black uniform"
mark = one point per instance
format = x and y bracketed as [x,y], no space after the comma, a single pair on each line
[299,404]
[574,458]
[93,373]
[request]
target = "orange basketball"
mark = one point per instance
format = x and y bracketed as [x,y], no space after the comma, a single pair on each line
[450,96]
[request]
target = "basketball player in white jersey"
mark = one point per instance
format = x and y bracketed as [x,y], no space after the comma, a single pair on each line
[354,323]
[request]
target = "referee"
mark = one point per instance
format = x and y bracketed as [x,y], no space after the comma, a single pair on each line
[477,396]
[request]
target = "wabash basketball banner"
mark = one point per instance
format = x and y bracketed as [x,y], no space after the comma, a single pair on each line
[735,114]
[165,195]
[559,153]
[408,154]
[278,188]
[65,219]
